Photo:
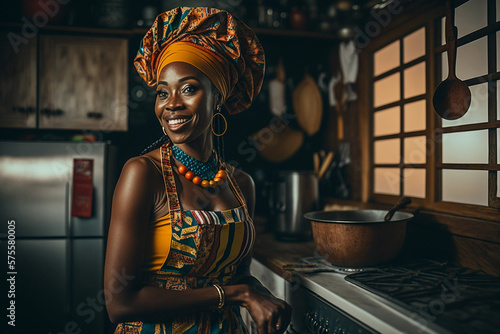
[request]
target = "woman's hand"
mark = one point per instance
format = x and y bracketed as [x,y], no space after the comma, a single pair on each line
[271,315]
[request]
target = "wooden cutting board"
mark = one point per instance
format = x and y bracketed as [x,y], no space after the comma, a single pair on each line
[278,142]
[308,105]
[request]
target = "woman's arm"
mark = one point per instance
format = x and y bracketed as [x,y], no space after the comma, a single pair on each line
[127,299]
[266,310]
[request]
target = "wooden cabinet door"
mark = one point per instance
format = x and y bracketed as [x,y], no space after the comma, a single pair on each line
[83,83]
[17,80]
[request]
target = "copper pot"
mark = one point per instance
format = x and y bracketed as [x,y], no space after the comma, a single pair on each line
[358,238]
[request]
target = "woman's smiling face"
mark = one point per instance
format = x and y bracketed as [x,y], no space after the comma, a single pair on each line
[185,102]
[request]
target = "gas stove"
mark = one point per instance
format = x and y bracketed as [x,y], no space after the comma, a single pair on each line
[419,297]
[456,298]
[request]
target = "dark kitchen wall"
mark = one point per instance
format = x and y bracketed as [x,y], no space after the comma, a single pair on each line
[305,45]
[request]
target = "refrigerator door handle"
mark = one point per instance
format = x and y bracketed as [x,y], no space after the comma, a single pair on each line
[69,252]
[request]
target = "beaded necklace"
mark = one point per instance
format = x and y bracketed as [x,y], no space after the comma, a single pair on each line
[200,173]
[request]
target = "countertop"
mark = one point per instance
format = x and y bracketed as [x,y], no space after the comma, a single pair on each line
[275,254]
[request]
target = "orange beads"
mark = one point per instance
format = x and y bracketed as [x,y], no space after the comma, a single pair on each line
[182,169]
[221,174]
[218,179]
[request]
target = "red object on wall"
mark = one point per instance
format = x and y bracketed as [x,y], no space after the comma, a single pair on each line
[42,12]
[82,188]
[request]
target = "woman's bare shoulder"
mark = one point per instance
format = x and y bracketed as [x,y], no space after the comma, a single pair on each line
[244,180]
[246,185]
[142,166]
[138,173]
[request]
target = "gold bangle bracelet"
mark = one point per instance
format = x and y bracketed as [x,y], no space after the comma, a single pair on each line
[222,295]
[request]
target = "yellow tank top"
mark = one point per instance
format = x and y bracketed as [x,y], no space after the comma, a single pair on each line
[158,243]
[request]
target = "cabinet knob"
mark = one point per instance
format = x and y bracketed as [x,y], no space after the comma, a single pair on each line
[94,114]
[50,112]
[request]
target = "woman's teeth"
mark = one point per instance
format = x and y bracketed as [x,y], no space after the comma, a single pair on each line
[178,121]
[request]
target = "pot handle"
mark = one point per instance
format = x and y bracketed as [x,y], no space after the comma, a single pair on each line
[403,202]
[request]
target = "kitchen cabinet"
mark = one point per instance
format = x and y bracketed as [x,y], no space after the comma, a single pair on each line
[83,83]
[17,81]
[56,81]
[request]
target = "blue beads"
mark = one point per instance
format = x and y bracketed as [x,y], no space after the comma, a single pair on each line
[205,170]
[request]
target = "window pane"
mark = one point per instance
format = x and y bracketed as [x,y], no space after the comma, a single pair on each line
[444,65]
[387,181]
[498,11]
[414,45]
[387,90]
[415,80]
[443,30]
[387,151]
[465,186]
[466,147]
[478,110]
[498,146]
[415,116]
[386,58]
[415,150]
[498,52]
[472,59]
[414,182]
[386,122]
[471,16]
[498,100]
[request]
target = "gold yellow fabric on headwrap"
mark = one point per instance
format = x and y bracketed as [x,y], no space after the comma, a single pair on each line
[215,32]
[207,62]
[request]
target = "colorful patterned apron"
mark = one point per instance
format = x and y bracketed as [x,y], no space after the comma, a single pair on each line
[206,248]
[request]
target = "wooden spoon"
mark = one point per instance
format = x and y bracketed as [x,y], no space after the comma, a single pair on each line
[403,202]
[452,97]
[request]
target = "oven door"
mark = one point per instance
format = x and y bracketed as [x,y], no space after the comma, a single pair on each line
[312,314]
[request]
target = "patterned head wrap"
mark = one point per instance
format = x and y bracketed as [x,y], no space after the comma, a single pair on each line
[215,42]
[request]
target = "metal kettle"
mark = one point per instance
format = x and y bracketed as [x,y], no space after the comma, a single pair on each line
[293,194]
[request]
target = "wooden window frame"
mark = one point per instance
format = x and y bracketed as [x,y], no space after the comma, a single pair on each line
[430,19]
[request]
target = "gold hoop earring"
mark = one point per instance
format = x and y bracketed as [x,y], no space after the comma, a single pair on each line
[212,125]
[163,129]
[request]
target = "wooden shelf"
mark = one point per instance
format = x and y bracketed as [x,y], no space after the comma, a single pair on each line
[142,31]
[75,29]
[294,33]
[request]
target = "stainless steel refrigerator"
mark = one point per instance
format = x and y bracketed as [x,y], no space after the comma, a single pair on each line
[56,279]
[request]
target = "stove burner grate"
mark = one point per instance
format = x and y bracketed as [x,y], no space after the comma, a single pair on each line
[453,297]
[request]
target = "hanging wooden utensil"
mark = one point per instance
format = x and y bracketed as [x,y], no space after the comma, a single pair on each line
[325,165]
[277,100]
[278,142]
[339,90]
[342,155]
[316,162]
[452,97]
[308,105]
